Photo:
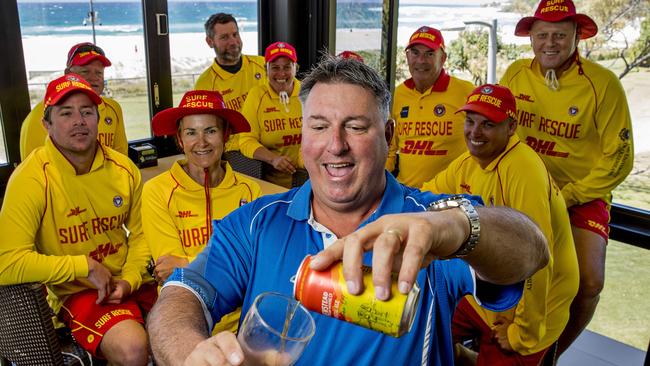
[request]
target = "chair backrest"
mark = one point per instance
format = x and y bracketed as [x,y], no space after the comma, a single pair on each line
[242,164]
[299,177]
[27,334]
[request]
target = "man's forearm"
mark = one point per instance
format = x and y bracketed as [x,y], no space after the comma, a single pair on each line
[176,325]
[511,246]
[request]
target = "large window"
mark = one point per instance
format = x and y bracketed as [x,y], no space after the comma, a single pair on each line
[190,54]
[358,29]
[49,29]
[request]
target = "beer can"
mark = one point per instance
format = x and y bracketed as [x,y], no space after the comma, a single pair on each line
[325,292]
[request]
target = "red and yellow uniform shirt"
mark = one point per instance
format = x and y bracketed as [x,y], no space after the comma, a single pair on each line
[518,178]
[582,131]
[273,127]
[110,130]
[428,133]
[52,219]
[233,87]
[175,218]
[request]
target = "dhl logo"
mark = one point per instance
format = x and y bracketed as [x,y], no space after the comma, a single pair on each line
[525,97]
[466,187]
[420,148]
[290,140]
[226,92]
[185,214]
[271,110]
[597,226]
[545,147]
[104,250]
[76,211]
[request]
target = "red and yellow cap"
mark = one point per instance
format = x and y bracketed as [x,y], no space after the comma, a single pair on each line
[280,49]
[428,37]
[556,11]
[84,53]
[495,102]
[198,102]
[351,55]
[66,84]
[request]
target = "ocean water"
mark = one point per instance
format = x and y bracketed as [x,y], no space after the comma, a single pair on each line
[125,17]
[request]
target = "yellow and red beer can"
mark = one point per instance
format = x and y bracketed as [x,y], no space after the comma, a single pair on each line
[325,292]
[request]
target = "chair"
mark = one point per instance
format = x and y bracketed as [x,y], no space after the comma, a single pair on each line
[242,164]
[27,335]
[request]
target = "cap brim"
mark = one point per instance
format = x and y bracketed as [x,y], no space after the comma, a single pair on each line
[489,113]
[430,45]
[89,92]
[587,26]
[90,58]
[278,55]
[164,123]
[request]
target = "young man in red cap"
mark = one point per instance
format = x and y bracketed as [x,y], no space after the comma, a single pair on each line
[275,116]
[428,136]
[506,172]
[231,73]
[351,55]
[64,216]
[88,61]
[178,206]
[574,114]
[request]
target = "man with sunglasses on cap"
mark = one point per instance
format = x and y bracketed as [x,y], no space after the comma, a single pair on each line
[89,61]
[231,73]
[506,172]
[574,114]
[428,135]
[65,217]
[179,205]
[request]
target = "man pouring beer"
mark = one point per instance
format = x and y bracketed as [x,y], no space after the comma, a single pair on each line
[354,210]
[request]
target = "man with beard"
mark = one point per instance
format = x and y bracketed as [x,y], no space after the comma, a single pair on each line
[231,73]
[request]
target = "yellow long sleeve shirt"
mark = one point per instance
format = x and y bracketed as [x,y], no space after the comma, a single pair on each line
[233,87]
[175,215]
[428,133]
[110,130]
[273,127]
[174,209]
[52,219]
[518,178]
[582,131]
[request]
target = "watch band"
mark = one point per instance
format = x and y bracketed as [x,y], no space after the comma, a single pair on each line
[472,216]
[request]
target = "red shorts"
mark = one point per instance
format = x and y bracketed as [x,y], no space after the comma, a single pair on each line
[467,323]
[592,216]
[89,321]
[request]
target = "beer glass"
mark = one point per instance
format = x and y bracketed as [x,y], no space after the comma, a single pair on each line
[275,331]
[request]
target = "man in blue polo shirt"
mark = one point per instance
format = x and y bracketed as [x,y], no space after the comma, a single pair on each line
[350,196]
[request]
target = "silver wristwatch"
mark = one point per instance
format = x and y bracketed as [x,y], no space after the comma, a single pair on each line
[472,216]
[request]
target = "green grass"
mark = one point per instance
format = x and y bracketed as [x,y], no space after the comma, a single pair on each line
[624,309]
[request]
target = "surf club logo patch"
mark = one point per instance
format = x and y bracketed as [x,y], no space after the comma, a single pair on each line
[439,110]
[108,120]
[573,110]
[404,112]
[118,201]
[487,90]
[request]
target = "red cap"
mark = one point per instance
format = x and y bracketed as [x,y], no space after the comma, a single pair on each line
[428,37]
[66,84]
[495,102]
[84,53]
[351,55]
[556,11]
[198,102]
[279,49]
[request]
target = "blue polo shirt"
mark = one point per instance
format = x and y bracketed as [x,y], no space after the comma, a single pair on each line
[259,247]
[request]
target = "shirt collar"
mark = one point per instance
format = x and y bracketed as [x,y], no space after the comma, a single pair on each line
[440,85]
[64,165]
[184,179]
[512,142]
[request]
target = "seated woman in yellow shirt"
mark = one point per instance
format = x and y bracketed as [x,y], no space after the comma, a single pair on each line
[178,206]
[275,116]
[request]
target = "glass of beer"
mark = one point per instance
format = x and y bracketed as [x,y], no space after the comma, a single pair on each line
[275,331]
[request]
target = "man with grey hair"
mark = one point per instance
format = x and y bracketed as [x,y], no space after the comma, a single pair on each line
[350,209]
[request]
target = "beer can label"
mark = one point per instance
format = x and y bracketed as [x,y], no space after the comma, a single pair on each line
[325,292]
